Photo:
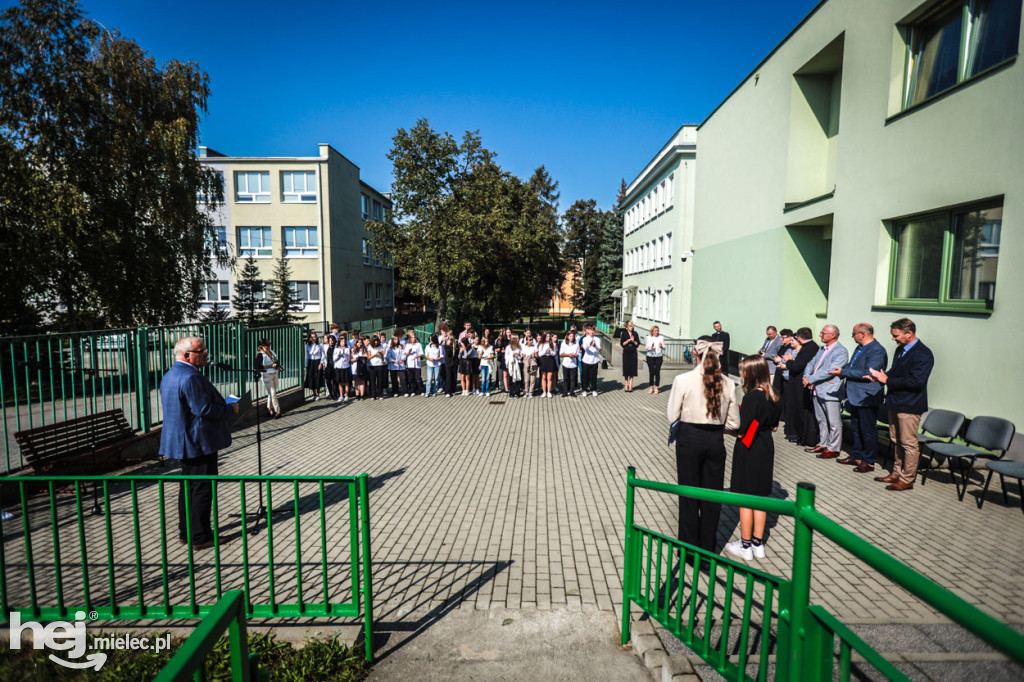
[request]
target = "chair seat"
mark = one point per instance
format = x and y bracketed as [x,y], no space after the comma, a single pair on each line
[1007,468]
[923,439]
[957,450]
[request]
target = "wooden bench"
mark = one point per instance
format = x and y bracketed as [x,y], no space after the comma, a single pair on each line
[69,444]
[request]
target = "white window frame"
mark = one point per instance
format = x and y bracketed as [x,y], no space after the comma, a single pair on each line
[223,293]
[366,252]
[668,249]
[306,289]
[364,206]
[202,198]
[379,291]
[295,195]
[671,189]
[300,248]
[266,247]
[250,195]
[666,317]
[367,295]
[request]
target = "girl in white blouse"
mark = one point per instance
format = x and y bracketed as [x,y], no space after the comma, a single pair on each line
[547,354]
[514,367]
[569,351]
[655,346]
[487,364]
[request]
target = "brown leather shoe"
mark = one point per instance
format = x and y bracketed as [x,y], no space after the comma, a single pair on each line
[848,460]
[828,454]
[815,450]
[224,539]
[864,468]
[891,478]
[900,485]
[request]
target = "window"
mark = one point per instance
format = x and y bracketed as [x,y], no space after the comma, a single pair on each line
[215,292]
[367,295]
[378,211]
[665,317]
[365,202]
[205,199]
[947,259]
[366,252]
[300,242]
[298,186]
[255,242]
[668,249]
[308,292]
[387,296]
[380,299]
[671,189]
[252,187]
[958,41]
[218,244]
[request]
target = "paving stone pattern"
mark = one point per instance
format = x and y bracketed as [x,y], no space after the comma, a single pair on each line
[519,504]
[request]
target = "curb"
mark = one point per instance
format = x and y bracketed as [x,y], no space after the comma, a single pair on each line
[662,666]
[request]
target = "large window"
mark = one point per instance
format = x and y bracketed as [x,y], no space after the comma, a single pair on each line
[218,245]
[365,206]
[308,292]
[252,187]
[947,259]
[255,242]
[367,295]
[366,252]
[300,242]
[205,199]
[379,289]
[214,293]
[298,186]
[957,41]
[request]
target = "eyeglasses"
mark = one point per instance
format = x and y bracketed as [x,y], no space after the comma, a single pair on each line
[200,352]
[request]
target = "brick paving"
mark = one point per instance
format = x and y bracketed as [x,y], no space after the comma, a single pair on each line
[519,504]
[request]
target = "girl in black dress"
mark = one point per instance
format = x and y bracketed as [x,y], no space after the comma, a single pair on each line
[753,458]
[629,340]
[314,356]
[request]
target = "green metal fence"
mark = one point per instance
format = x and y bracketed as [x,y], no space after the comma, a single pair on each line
[227,616]
[805,634]
[53,378]
[311,558]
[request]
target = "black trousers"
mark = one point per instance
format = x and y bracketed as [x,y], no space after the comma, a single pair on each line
[589,377]
[413,380]
[793,406]
[397,381]
[700,463]
[450,371]
[569,375]
[654,368]
[376,380]
[332,375]
[200,498]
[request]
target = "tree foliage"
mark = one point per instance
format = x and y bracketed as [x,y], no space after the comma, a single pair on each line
[610,258]
[249,292]
[282,299]
[465,233]
[98,177]
[584,226]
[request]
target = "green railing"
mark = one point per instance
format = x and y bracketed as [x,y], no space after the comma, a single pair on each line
[605,327]
[53,378]
[189,661]
[805,635]
[311,558]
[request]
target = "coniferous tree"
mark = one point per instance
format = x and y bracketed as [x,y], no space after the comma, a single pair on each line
[611,255]
[583,228]
[249,292]
[282,299]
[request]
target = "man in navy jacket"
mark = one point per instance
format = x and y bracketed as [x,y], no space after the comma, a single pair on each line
[906,400]
[195,427]
[863,395]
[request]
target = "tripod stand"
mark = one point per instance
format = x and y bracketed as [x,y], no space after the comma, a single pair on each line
[257,375]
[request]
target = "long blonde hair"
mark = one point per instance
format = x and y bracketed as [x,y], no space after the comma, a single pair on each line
[755,375]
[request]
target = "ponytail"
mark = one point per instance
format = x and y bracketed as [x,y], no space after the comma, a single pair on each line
[712,384]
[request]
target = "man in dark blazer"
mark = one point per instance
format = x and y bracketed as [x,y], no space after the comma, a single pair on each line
[195,427]
[797,406]
[863,396]
[906,400]
[719,335]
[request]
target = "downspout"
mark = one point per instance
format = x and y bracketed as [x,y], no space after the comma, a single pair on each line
[323,241]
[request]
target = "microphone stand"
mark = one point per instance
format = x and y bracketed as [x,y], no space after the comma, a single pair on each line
[256,375]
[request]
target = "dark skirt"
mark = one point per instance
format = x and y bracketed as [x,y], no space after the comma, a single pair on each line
[361,373]
[629,362]
[548,364]
[345,376]
[753,468]
[465,366]
[314,379]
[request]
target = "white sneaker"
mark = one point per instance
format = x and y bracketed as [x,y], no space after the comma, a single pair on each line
[424,395]
[339,399]
[407,395]
[758,551]
[736,548]
[529,395]
[593,393]
[488,394]
[6,516]
[316,398]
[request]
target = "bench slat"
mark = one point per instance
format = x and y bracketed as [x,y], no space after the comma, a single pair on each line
[74,438]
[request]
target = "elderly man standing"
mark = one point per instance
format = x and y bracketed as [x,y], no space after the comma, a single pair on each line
[906,400]
[195,427]
[827,391]
[864,395]
[771,347]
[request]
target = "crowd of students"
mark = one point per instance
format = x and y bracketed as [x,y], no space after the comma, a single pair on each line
[346,366]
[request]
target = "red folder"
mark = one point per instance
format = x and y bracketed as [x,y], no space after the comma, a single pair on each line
[749,437]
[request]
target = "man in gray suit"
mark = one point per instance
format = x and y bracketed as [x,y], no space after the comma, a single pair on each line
[827,390]
[771,347]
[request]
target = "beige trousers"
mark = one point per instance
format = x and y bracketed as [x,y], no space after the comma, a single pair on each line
[903,434]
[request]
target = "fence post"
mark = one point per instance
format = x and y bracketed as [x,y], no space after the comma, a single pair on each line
[145,410]
[800,595]
[364,503]
[628,568]
[240,338]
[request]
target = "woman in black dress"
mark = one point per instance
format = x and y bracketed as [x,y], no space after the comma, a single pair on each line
[314,356]
[753,458]
[629,340]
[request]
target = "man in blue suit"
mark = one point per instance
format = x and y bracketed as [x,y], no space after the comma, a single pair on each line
[906,400]
[195,427]
[827,389]
[863,395]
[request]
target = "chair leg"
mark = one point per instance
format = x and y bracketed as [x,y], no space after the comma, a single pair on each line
[961,491]
[984,491]
[1020,490]
[1002,482]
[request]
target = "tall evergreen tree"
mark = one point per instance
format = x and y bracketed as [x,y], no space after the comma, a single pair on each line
[249,292]
[583,228]
[282,299]
[98,173]
[610,266]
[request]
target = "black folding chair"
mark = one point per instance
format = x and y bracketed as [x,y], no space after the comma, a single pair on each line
[985,437]
[940,426]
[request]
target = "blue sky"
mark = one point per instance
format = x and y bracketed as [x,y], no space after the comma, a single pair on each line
[590,89]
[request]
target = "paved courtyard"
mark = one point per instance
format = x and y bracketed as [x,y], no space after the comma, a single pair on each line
[499,504]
